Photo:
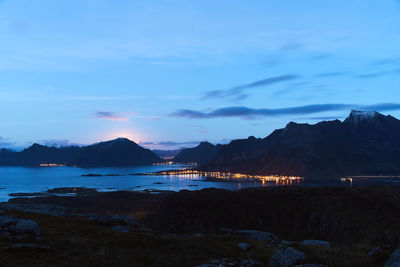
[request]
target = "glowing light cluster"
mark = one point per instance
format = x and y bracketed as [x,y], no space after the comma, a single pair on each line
[176,163]
[193,174]
[51,165]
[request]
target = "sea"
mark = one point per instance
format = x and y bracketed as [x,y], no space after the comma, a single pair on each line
[40,179]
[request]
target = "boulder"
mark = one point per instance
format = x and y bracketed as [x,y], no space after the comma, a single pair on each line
[11,226]
[244,246]
[316,244]
[259,235]
[121,228]
[253,234]
[380,253]
[23,227]
[6,220]
[394,259]
[287,257]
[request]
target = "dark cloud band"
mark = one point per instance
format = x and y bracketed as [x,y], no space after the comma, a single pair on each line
[109,116]
[245,112]
[240,89]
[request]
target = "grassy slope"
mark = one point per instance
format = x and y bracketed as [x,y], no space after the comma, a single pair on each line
[354,220]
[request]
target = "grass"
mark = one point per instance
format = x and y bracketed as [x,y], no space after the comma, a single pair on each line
[353,220]
[74,241]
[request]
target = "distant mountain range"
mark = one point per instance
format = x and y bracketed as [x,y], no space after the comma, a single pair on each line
[118,152]
[365,143]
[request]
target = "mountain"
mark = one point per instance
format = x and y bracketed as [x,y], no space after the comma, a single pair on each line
[365,143]
[166,154]
[118,152]
[202,154]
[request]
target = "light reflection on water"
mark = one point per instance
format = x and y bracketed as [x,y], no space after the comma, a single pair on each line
[29,180]
[32,180]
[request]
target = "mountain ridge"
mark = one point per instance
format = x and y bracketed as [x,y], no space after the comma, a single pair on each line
[117,152]
[364,143]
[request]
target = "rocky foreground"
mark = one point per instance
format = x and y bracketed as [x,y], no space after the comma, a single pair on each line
[285,226]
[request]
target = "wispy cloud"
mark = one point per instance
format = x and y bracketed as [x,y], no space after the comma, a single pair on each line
[6,142]
[240,90]
[57,142]
[280,54]
[378,74]
[386,61]
[250,113]
[325,118]
[332,74]
[110,116]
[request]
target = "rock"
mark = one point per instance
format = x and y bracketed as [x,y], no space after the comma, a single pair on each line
[379,253]
[394,259]
[5,220]
[253,234]
[121,228]
[11,226]
[27,227]
[316,243]
[287,257]
[225,262]
[244,246]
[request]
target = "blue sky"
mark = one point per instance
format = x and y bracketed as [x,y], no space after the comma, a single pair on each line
[168,74]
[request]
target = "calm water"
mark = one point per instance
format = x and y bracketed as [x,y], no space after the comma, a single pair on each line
[30,180]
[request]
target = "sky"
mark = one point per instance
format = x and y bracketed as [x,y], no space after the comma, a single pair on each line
[169,74]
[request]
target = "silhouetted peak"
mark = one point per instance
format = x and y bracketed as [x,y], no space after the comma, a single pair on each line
[357,116]
[363,114]
[121,140]
[117,141]
[293,125]
[205,144]
[36,146]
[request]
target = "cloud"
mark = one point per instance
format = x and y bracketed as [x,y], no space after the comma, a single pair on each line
[386,61]
[320,57]
[109,116]
[377,74]
[6,142]
[57,143]
[331,74]
[325,118]
[277,58]
[239,91]
[250,113]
